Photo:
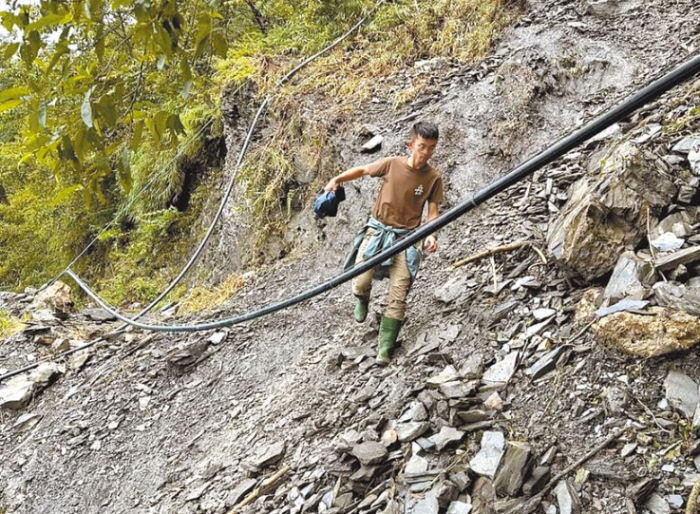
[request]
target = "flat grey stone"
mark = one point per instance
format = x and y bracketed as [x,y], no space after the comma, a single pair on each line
[657,505]
[457,389]
[449,374]
[415,411]
[459,508]
[373,144]
[473,367]
[45,373]
[682,392]
[16,393]
[686,144]
[416,466]
[678,297]
[265,456]
[502,311]
[407,432]
[473,416]
[675,500]
[445,492]
[668,242]
[446,437]
[567,498]
[630,278]
[99,315]
[543,314]
[370,452]
[546,363]
[673,260]
[515,467]
[538,479]
[451,290]
[26,421]
[238,493]
[428,505]
[622,306]
[486,462]
[365,473]
[502,371]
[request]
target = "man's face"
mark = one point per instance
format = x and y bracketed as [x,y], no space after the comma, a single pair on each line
[422,150]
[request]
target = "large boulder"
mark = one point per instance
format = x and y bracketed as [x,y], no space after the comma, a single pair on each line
[56,299]
[649,335]
[608,213]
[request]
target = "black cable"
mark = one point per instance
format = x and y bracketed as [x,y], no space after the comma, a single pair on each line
[614,115]
[652,91]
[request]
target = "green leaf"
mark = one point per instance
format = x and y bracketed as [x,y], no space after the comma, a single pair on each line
[14,92]
[150,124]
[9,20]
[108,111]
[42,114]
[203,33]
[30,48]
[66,192]
[86,110]
[66,150]
[219,43]
[187,89]
[100,43]
[81,145]
[175,125]
[164,40]
[10,104]
[138,134]
[10,51]
[61,50]
[160,121]
[50,20]
[124,170]
[185,70]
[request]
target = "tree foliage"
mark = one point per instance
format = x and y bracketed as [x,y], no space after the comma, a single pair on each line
[98,97]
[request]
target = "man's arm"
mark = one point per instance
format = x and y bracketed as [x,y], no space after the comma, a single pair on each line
[346,176]
[431,244]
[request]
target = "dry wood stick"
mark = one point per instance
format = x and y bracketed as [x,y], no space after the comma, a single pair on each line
[530,505]
[492,251]
[539,253]
[495,277]
[692,507]
[268,483]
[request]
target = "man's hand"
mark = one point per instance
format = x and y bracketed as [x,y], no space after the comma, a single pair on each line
[331,186]
[430,244]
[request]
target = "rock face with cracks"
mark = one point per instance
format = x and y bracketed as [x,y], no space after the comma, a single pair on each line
[608,214]
[648,336]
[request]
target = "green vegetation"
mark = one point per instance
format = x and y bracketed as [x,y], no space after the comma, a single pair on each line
[9,325]
[98,97]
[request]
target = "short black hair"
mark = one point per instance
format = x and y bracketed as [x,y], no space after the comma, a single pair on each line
[425,130]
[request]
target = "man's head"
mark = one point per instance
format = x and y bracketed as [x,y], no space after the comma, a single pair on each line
[423,141]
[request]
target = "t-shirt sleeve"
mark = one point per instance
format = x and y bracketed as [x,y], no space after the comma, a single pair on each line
[379,168]
[436,193]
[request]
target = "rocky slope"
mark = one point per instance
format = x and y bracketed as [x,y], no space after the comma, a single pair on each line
[501,383]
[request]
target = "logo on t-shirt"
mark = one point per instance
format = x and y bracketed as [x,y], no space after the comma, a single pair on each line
[419,190]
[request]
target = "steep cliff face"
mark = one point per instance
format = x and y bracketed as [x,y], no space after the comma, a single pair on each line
[171,423]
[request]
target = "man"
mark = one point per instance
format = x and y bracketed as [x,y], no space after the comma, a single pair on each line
[408,184]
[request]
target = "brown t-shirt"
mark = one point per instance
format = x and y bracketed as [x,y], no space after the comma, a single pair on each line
[404,191]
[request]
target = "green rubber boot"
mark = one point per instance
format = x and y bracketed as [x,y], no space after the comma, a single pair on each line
[388,333]
[361,308]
